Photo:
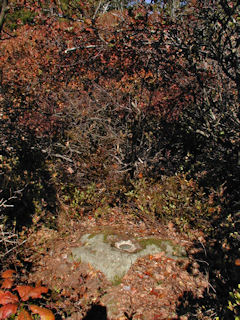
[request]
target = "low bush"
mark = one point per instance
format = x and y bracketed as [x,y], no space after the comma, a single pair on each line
[234,303]
[173,198]
[15,306]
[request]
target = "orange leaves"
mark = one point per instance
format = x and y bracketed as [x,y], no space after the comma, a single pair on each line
[27,292]
[143,74]
[8,274]
[44,313]
[237,262]
[90,30]
[211,210]
[24,315]
[88,22]
[8,310]
[8,277]
[7,297]
[10,301]
[140,175]
[157,293]
[7,283]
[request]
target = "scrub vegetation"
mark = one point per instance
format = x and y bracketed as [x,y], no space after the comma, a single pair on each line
[131,106]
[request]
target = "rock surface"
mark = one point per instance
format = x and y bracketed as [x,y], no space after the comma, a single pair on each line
[151,289]
[114,253]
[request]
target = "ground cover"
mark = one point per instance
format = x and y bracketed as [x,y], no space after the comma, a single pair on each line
[150,289]
[123,116]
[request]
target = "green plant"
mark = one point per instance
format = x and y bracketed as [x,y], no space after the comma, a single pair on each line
[23,16]
[80,200]
[173,198]
[234,303]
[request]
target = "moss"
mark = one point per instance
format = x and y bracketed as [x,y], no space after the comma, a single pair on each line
[92,235]
[100,252]
[117,280]
[105,235]
[164,245]
[23,15]
[151,241]
[108,233]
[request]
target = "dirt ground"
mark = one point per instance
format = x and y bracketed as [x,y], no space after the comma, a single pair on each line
[151,290]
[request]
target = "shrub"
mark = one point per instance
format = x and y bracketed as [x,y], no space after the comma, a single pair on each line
[19,15]
[173,198]
[8,237]
[12,304]
[234,303]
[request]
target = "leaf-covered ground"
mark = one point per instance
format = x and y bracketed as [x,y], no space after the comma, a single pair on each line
[151,289]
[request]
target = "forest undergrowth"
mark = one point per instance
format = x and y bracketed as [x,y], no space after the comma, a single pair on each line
[127,105]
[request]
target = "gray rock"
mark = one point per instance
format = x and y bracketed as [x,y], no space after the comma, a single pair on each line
[113,254]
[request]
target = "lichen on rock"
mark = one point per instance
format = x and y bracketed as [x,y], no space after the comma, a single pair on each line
[113,253]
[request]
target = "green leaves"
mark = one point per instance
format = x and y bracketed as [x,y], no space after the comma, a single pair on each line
[234,303]
[173,198]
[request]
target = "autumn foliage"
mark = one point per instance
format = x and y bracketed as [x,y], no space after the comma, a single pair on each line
[139,72]
[99,102]
[15,304]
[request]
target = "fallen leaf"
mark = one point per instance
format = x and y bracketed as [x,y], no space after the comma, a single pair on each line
[169,268]
[45,314]
[237,262]
[70,170]
[7,297]
[37,292]
[88,21]
[171,226]
[154,292]
[7,310]
[140,175]
[38,284]
[7,283]
[23,291]
[158,255]
[27,292]
[24,315]
[8,274]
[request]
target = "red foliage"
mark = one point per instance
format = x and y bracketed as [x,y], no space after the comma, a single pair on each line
[10,301]
[44,313]
[8,274]
[7,283]
[132,53]
[8,279]
[7,297]
[24,315]
[27,292]
[8,310]
[136,64]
